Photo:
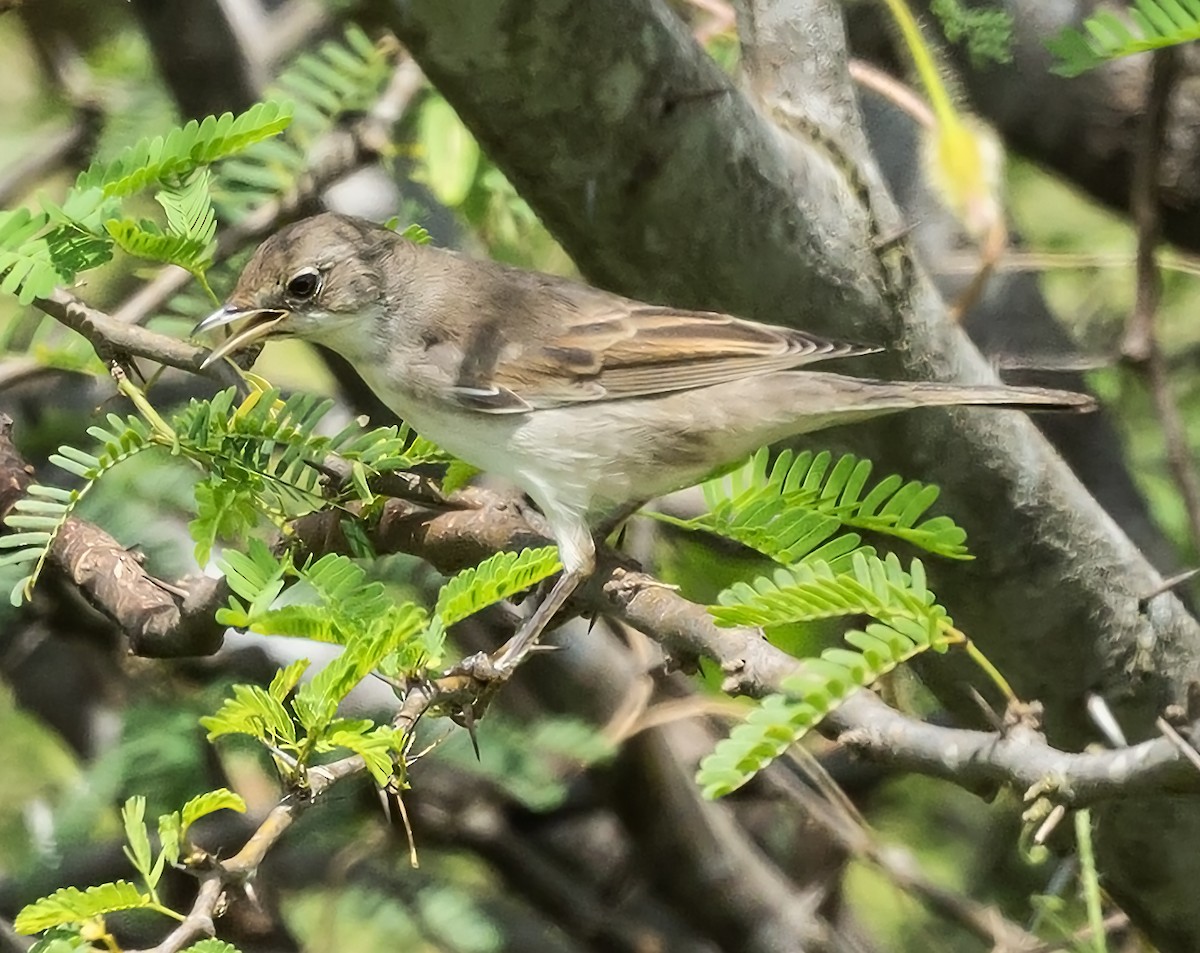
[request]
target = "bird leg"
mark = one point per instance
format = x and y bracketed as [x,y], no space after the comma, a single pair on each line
[577,549]
[488,668]
[513,652]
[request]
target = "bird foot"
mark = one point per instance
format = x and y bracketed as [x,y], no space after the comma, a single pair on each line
[480,667]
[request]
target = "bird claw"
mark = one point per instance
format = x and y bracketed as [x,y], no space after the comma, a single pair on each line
[479,667]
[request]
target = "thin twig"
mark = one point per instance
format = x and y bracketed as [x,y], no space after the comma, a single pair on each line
[1186,748]
[901,869]
[1168,584]
[898,93]
[242,867]
[1140,345]
[1112,923]
[113,339]
[1017,260]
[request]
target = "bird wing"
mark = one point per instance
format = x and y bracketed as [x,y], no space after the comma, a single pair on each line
[611,349]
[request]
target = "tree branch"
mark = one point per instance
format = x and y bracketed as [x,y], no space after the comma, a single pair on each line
[112,579]
[239,869]
[977,760]
[116,340]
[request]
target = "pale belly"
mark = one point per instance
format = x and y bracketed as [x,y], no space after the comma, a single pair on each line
[582,463]
[560,457]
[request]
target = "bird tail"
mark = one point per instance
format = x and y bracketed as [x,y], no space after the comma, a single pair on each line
[887,395]
[811,400]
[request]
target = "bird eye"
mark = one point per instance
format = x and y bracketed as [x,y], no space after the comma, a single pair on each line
[304,284]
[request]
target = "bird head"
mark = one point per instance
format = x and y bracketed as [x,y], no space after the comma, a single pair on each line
[319,279]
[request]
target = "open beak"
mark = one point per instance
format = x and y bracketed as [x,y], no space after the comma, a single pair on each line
[260,323]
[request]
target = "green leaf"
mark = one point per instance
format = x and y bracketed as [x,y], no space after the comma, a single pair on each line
[62,939]
[988,32]
[1156,24]
[254,712]
[184,149]
[253,572]
[809,592]
[170,836]
[143,241]
[316,623]
[212,946]
[317,700]
[458,475]
[222,799]
[498,577]
[909,621]
[817,688]
[793,508]
[35,257]
[225,510]
[450,154]
[286,679]
[415,234]
[188,207]
[379,747]
[133,815]
[44,510]
[72,905]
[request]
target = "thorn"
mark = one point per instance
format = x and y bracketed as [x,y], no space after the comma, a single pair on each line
[1167,585]
[1185,747]
[886,242]
[413,860]
[1052,821]
[397,685]
[1105,721]
[468,722]
[987,710]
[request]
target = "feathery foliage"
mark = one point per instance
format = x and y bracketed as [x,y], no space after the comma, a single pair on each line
[332,601]
[794,508]
[42,249]
[337,79]
[40,515]
[184,149]
[908,621]
[261,458]
[987,32]
[73,906]
[496,578]
[1106,36]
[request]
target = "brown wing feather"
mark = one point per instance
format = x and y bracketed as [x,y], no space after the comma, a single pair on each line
[548,342]
[643,350]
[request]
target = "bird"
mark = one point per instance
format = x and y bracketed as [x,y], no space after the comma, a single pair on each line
[590,402]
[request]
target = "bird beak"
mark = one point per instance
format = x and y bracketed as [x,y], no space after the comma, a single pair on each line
[260,323]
